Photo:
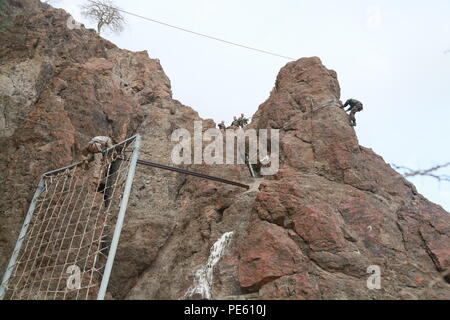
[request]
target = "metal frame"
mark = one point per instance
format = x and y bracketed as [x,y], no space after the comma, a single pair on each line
[120,219]
[23,232]
[117,230]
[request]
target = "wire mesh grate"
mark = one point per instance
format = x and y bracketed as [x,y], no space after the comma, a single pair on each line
[68,241]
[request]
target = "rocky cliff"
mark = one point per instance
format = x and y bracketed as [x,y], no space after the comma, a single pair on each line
[309,232]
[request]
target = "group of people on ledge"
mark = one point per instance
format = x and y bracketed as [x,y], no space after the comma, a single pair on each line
[242,122]
[353,104]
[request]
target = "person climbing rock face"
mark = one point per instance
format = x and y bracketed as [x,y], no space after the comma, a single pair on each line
[243,121]
[235,122]
[93,153]
[355,106]
[222,126]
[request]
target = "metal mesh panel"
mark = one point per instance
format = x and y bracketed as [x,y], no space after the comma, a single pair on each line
[69,238]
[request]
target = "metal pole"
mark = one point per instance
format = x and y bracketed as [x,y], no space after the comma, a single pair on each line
[191,173]
[23,232]
[120,219]
[247,162]
[252,172]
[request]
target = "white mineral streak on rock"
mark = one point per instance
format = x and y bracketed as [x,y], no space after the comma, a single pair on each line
[203,277]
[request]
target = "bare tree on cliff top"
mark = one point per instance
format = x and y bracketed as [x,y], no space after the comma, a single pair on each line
[105,14]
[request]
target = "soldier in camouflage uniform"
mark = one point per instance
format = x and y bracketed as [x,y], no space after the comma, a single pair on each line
[235,122]
[222,126]
[355,106]
[242,121]
[93,153]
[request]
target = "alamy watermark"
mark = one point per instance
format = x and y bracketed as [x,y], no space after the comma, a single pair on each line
[374,281]
[74,279]
[73,24]
[228,147]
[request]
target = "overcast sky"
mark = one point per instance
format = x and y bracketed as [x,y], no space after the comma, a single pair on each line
[391,55]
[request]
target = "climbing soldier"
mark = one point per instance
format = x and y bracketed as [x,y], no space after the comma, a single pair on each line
[222,126]
[243,121]
[94,152]
[355,106]
[235,122]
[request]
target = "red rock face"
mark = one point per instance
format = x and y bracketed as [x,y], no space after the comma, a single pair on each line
[345,206]
[274,255]
[309,232]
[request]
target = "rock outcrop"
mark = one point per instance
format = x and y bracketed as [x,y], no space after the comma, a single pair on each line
[309,232]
